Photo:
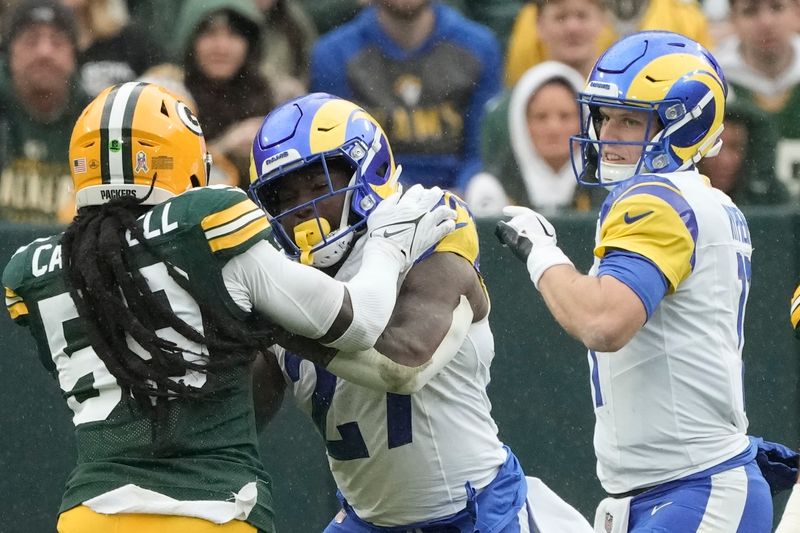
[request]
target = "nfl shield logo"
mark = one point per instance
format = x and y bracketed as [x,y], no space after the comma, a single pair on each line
[609,523]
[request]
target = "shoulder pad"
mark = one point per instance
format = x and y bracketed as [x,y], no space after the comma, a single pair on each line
[230,221]
[648,215]
[464,240]
[22,267]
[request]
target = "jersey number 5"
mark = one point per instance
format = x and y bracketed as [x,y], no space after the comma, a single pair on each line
[92,392]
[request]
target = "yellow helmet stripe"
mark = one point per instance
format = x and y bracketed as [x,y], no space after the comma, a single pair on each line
[116,155]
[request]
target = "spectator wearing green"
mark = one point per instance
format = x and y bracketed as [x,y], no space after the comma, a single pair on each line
[744,169]
[762,66]
[42,100]
[220,43]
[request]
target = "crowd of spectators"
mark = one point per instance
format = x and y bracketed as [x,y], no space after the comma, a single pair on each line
[432,72]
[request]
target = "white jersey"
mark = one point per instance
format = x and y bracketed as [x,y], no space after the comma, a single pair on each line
[404,459]
[670,403]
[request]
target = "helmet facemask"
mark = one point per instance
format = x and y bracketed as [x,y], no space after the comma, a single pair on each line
[675,79]
[313,242]
[656,155]
[595,170]
[320,132]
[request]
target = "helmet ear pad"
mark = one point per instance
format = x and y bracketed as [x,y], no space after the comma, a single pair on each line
[691,92]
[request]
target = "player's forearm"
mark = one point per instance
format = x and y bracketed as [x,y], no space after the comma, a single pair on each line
[373,292]
[370,368]
[584,306]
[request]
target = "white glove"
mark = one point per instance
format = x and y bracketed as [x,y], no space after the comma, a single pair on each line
[412,222]
[532,238]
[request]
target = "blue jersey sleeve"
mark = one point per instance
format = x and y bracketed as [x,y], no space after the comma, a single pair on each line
[637,272]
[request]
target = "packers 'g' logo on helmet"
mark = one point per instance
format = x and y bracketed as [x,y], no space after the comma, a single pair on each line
[188,118]
[131,134]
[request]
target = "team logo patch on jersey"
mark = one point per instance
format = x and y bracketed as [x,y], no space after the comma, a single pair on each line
[141,163]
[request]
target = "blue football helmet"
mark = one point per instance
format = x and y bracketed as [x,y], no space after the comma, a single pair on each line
[317,129]
[674,78]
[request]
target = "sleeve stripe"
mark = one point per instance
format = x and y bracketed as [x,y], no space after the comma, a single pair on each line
[795,311]
[238,237]
[17,310]
[236,224]
[12,300]
[15,305]
[227,215]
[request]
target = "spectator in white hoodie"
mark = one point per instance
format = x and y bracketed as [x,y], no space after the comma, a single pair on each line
[542,114]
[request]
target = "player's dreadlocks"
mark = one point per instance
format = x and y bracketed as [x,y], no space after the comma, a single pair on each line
[114,299]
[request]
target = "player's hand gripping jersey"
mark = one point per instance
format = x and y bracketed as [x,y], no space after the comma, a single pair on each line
[686,360]
[402,459]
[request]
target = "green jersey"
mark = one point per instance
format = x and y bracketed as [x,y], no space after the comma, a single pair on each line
[784,122]
[206,450]
[35,183]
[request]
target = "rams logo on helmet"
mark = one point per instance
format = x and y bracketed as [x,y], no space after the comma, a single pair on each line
[673,77]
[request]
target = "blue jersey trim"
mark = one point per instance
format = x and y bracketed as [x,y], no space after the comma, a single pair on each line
[494,509]
[640,274]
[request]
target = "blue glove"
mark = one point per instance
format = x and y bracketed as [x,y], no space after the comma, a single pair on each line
[778,464]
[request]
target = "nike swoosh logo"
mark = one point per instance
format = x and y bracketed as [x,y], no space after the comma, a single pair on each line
[544,229]
[657,508]
[631,219]
[387,234]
